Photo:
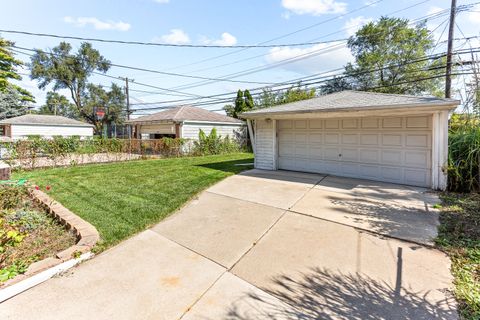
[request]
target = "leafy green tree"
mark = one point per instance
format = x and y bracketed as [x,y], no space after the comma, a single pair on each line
[8,71]
[112,102]
[69,71]
[243,102]
[58,104]
[269,98]
[335,85]
[12,103]
[388,46]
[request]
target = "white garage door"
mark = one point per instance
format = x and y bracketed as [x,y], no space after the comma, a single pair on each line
[384,149]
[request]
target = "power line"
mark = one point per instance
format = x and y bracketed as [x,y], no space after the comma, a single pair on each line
[323,79]
[364,89]
[290,60]
[28,33]
[434,15]
[285,35]
[159,72]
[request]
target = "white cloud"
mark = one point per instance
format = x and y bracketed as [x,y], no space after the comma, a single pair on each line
[162,1]
[176,36]
[98,24]
[352,25]
[313,59]
[474,15]
[226,39]
[314,7]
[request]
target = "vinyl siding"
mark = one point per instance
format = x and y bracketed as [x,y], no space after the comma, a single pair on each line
[23,131]
[190,130]
[264,153]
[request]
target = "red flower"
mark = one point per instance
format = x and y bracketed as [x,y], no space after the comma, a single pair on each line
[48,188]
[37,188]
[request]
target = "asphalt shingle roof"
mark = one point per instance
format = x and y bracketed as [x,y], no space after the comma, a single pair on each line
[345,100]
[185,113]
[42,119]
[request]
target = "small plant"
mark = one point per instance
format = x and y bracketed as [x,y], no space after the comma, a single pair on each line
[11,196]
[214,144]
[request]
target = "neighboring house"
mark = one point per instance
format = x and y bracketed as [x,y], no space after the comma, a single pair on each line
[46,126]
[186,122]
[384,137]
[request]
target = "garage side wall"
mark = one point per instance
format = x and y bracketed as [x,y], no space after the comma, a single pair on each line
[190,130]
[23,131]
[264,145]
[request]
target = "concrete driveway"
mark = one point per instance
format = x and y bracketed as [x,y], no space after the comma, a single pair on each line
[266,245]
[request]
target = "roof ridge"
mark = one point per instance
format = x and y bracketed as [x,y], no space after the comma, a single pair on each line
[395,94]
[178,113]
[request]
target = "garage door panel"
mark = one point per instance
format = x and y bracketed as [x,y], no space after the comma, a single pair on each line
[349,124]
[332,138]
[300,137]
[300,124]
[418,140]
[420,159]
[392,123]
[349,154]
[369,171]
[315,153]
[301,151]
[332,154]
[286,137]
[315,138]
[417,122]
[393,157]
[392,140]
[394,174]
[315,124]
[332,124]
[369,155]
[370,123]
[332,166]
[349,138]
[369,139]
[287,151]
[285,124]
[416,177]
[392,149]
[349,169]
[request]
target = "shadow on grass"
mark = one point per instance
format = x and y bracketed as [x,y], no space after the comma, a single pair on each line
[233,166]
[322,294]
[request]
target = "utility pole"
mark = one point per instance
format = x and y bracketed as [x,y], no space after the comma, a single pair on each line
[128,105]
[128,98]
[451,30]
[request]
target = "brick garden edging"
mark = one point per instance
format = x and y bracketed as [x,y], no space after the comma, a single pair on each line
[87,236]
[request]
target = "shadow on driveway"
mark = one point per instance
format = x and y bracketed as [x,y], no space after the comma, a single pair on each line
[322,294]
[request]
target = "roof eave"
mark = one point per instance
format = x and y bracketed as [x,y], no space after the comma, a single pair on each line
[443,104]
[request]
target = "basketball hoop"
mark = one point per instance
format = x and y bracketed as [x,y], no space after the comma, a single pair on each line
[100,113]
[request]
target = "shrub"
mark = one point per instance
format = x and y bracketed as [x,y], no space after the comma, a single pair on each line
[11,197]
[214,144]
[464,159]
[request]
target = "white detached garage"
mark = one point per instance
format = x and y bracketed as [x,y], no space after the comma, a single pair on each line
[45,126]
[383,137]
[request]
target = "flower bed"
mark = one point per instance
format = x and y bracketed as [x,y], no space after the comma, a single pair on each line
[28,234]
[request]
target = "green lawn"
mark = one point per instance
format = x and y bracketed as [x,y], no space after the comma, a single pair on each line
[459,236]
[122,199]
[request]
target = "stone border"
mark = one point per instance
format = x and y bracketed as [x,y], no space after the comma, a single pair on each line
[87,236]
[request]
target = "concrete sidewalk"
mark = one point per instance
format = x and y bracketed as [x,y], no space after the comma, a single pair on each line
[265,245]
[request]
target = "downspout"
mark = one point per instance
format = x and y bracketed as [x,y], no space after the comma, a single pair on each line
[251,134]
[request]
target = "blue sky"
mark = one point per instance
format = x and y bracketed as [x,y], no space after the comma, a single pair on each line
[224,22]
